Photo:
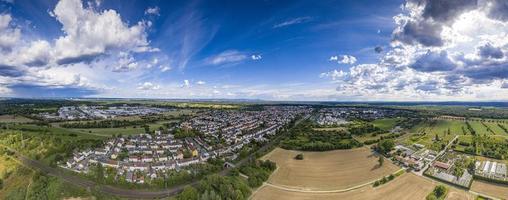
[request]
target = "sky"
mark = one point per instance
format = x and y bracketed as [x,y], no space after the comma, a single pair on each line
[327,50]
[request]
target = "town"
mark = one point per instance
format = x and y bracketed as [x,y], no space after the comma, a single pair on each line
[138,157]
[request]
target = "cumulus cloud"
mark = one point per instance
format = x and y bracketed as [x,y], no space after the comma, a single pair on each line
[148,86]
[9,36]
[200,82]
[438,51]
[256,57]
[88,34]
[489,51]
[343,59]
[498,10]
[433,61]
[152,11]
[227,57]
[92,45]
[293,21]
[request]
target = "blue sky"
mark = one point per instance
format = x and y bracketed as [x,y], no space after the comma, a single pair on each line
[276,50]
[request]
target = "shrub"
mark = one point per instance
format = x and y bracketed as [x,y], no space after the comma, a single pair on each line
[299,157]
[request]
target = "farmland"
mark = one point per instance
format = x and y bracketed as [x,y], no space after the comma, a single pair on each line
[329,170]
[495,190]
[407,186]
[13,119]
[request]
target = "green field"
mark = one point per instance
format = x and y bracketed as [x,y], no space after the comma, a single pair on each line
[426,131]
[386,123]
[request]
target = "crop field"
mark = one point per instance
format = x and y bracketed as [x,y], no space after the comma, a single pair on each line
[492,189]
[407,186]
[13,119]
[328,170]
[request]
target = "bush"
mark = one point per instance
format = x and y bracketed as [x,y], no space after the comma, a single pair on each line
[299,157]
[439,192]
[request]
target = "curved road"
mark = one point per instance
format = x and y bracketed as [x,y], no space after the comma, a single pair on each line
[121,192]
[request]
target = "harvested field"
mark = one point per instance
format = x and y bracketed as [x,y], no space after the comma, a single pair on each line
[407,186]
[492,189]
[330,170]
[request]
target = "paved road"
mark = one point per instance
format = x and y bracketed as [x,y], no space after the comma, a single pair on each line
[121,192]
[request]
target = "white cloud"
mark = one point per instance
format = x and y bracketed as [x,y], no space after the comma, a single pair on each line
[125,63]
[440,51]
[293,21]
[152,11]
[88,34]
[165,68]
[200,82]
[256,57]
[9,36]
[227,57]
[186,84]
[148,86]
[343,59]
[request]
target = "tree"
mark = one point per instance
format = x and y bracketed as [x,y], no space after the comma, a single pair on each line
[188,193]
[381,160]
[440,191]
[299,156]
[1,184]
[385,146]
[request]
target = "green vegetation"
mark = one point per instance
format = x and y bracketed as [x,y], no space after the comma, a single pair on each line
[304,137]
[388,178]
[215,187]
[385,146]
[183,133]
[299,156]
[492,146]
[361,128]
[258,172]
[385,123]
[439,193]
[50,145]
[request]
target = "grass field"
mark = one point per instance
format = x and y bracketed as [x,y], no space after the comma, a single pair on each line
[13,119]
[328,170]
[407,186]
[492,189]
[385,123]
